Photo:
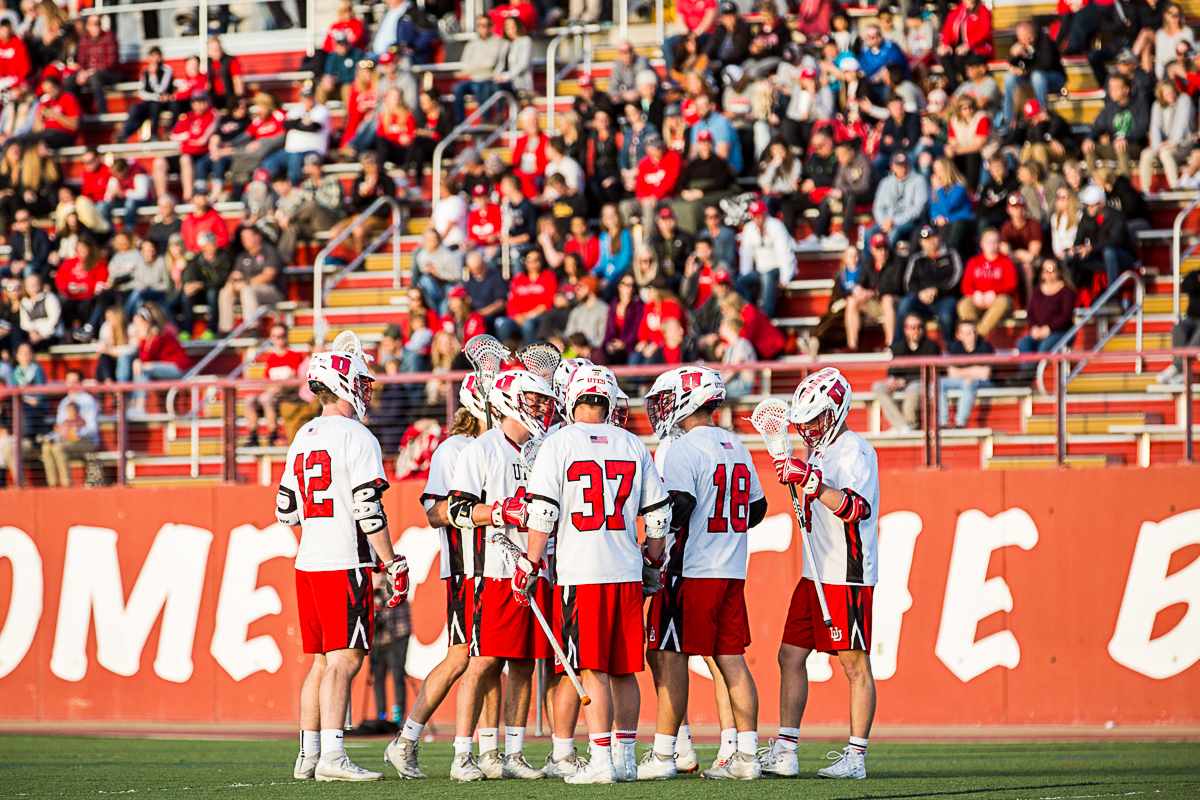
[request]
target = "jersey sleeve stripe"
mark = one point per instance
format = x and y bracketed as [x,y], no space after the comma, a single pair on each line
[653,506]
[543,498]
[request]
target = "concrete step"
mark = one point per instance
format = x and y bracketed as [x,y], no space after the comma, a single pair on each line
[1127,342]
[1110,384]
[1082,423]
[1049,462]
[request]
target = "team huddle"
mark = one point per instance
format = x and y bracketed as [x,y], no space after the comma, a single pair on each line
[536,493]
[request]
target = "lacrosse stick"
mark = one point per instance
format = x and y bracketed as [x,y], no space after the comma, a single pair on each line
[770,420]
[540,358]
[513,555]
[487,356]
[348,342]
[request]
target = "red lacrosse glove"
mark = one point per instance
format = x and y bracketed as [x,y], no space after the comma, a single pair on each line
[524,579]
[796,471]
[510,511]
[397,571]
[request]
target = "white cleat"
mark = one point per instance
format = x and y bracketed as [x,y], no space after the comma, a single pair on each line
[305,767]
[593,772]
[463,768]
[344,770]
[1169,375]
[492,765]
[740,767]
[847,765]
[567,765]
[654,767]
[401,753]
[721,760]
[515,766]
[624,759]
[777,761]
[687,762]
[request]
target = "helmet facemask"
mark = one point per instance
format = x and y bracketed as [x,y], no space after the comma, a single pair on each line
[815,433]
[660,408]
[539,412]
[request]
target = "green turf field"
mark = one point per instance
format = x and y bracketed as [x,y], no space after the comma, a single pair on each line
[51,767]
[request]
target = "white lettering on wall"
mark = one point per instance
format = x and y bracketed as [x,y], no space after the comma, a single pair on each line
[421,548]
[242,601]
[1149,590]
[25,604]
[972,596]
[898,533]
[170,583]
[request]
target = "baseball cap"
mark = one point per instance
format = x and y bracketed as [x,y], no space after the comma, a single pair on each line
[261,175]
[1032,108]
[457,291]
[1092,195]
[722,276]
[973,59]
[849,65]
[704,136]
[308,91]
[1016,199]
[200,97]
[1126,56]
[757,207]
[901,159]
[733,73]
[340,37]
[666,212]
[673,110]
[879,240]
[313,160]
[207,237]
[654,140]
[386,57]
[809,73]
[728,8]
[928,232]
[394,332]
[479,190]
[585,79]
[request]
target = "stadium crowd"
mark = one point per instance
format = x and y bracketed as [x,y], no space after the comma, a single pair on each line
[659,220]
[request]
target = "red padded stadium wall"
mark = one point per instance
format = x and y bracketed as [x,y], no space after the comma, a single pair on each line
[1028,605]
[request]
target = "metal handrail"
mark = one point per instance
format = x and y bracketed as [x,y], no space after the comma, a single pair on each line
[320,288]
[552,78]
[208,358]
[1177,257]
[1094,309]
[514,108]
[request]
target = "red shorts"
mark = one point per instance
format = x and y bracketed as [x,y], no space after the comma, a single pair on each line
[700,617]
[600,627]
[336,609]
[458,613]
[849,607]
[500,628]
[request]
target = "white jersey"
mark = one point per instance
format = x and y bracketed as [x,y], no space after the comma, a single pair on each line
[330,458]
[601,478]
[715,468]
[488,470]
[847,552]
[437,488]
[660,452]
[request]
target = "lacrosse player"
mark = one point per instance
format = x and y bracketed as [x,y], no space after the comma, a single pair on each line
[839,489]
[487,494]
[332,490]
[715,500]
[590,483]
[469,422]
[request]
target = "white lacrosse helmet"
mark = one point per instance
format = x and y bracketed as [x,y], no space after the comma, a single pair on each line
[618,412]
[591,380]
[470,397]
[510,397]
[678,394]
[819,407]
[562,376]
[343,371]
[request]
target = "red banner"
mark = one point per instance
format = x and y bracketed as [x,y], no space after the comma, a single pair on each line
[1026,597]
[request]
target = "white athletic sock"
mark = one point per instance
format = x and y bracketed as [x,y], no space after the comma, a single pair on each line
[489,740]
[728,743]
[310,744]
[600,748]
[858,745]
[514,741]
[626,737]
[787,738]
[747,742]
[332,748]
[664,745]
[563,747]
[462,745]
[412,730]
[684,742]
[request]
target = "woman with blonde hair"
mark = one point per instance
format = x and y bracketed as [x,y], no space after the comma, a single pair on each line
[1172,126]
[969,131]
[1064,221]
[950,205]
[395,129]
[645,269]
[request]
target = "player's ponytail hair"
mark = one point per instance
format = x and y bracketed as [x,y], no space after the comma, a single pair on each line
[465,424]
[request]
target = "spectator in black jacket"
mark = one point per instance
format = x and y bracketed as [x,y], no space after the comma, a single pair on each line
[30,246]
[998,184]
[1135,32]
[1033,58]
[730,42]
[671,245]
[931,282]
[853,184]
[1102,243]
[901,130]
[1141,82]
[815,182]
[1124,197]
[1120,131]
[1186,332]
[1044,137]
[878,290]
[912,342]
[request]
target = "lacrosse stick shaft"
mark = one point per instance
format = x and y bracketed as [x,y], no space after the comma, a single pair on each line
[806,548]
[558,651]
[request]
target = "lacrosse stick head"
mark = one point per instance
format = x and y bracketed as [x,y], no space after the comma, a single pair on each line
[487,356]
[770,419]
[348,342]
[528,453]
[540,358]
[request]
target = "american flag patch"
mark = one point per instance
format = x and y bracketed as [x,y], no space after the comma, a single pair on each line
[599,439]
[727,445]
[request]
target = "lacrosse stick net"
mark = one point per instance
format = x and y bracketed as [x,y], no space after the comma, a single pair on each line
[514,556]
[540,358]
[487,357]
[348,342]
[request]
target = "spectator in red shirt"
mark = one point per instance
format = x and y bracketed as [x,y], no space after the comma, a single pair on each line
[57,122]
[657,176]
[128,186]
[531,294]
[968,29]
[583,243]
[96,175]
[462,319]
[203,218]
[190,83]
[99,63]
[359,129]
[396,129]
[282,365]
[225,82]
[351,25]
[483,223]
[529,157]
[242,155]
[757,328]
[14,58]
[1022,239]
[692,16]
[84,288]
[193,133]
[160,355]
[989,285]
[662,306]
[523,10]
